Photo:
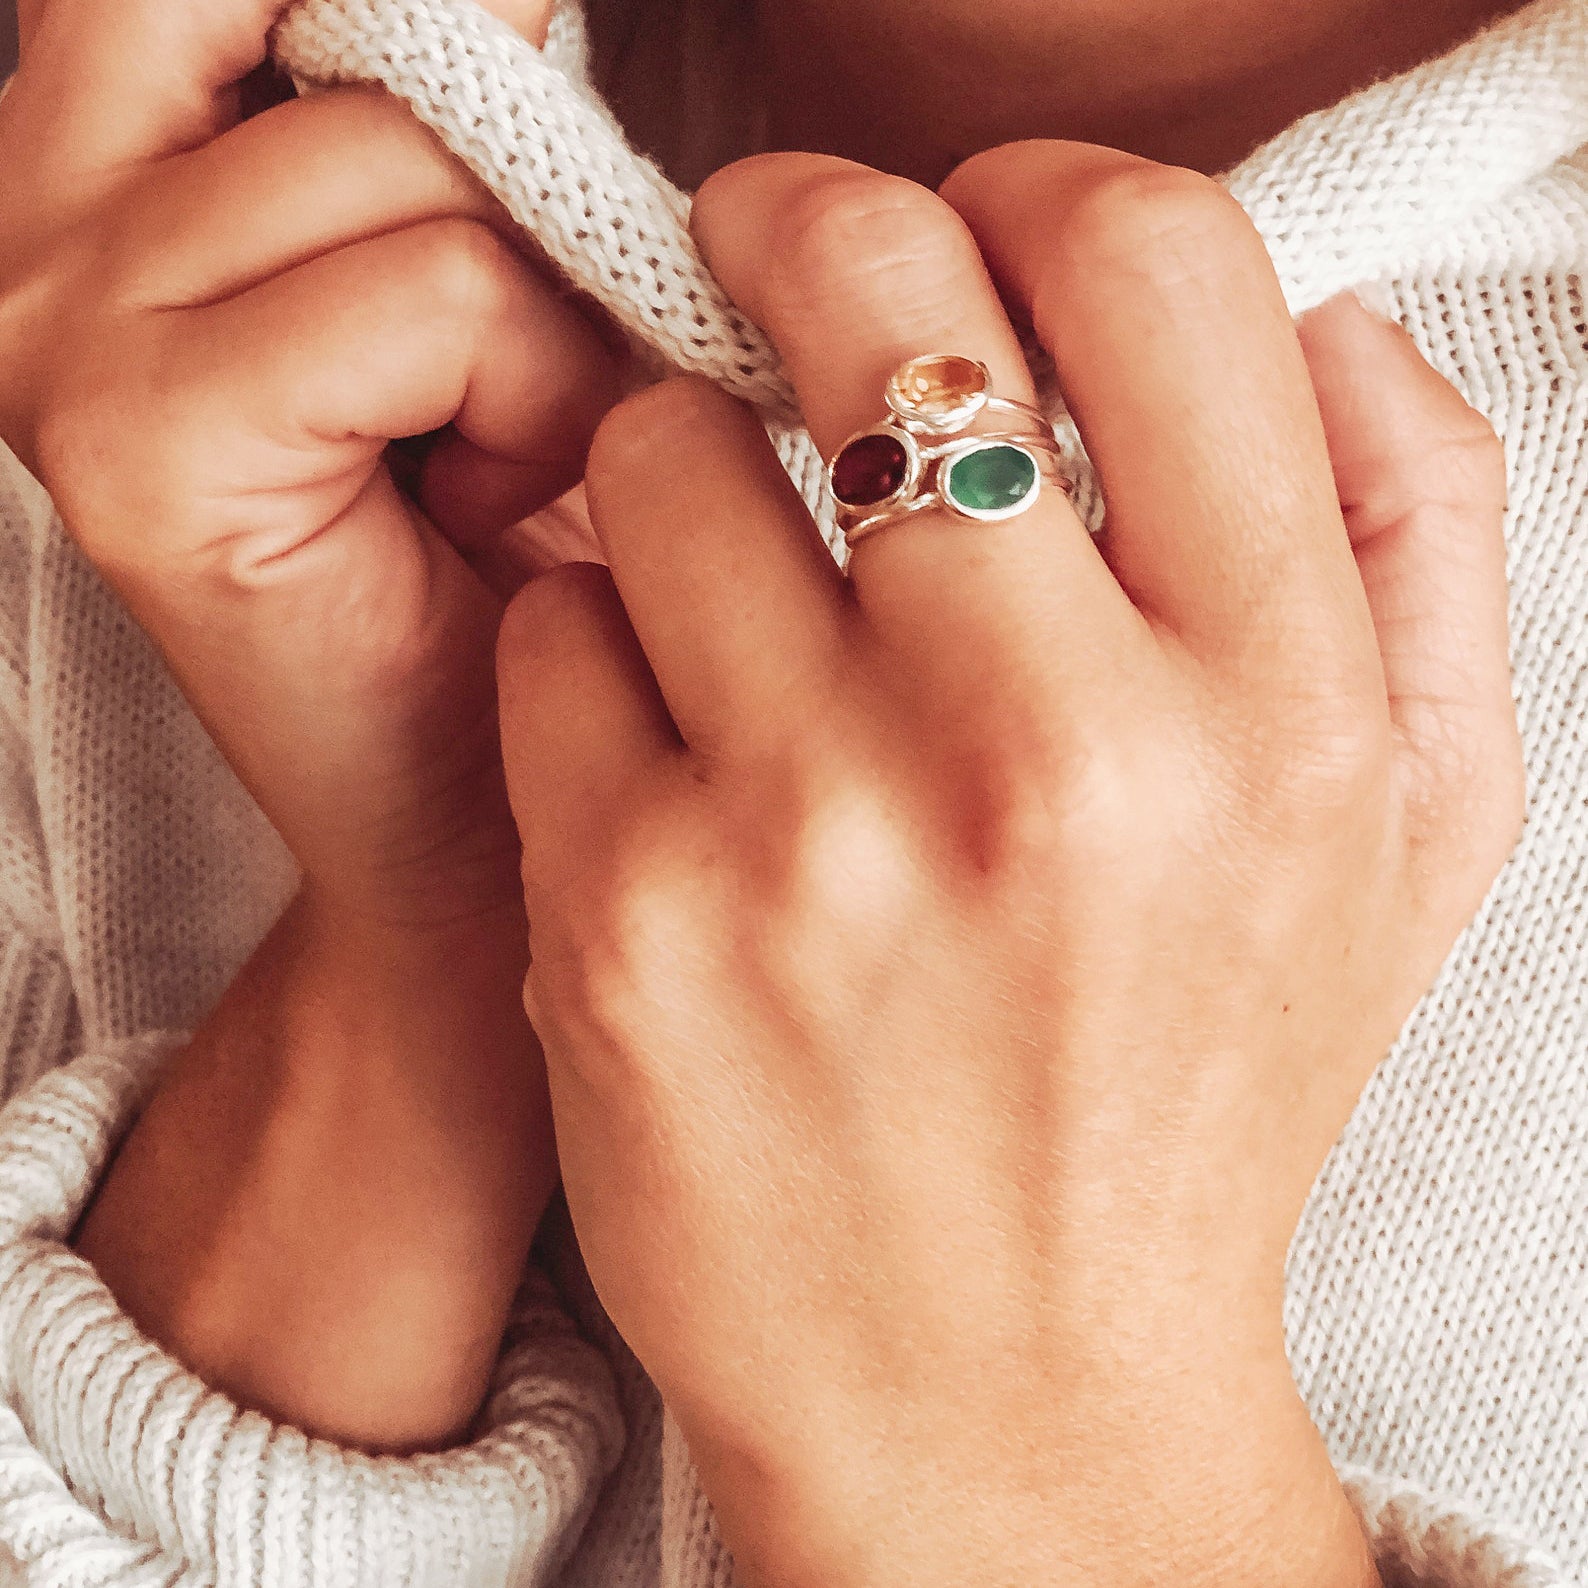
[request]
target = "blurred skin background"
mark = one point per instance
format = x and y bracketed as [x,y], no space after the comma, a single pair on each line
[8,36]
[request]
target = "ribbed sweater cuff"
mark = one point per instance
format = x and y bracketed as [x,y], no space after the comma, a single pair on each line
[118,1466]
[1424,1541]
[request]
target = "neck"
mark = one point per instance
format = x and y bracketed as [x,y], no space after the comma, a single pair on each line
[915,86]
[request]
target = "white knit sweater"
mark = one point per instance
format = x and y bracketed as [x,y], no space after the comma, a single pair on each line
[1438,1304]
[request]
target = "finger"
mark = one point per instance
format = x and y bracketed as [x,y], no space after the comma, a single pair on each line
[28,14]
[473,496]
[583,723]
[1422,481]
[726,581]
[111,87]
[125,84]
[311,175]
[304,603]
[851,273]
[1180,365]
[440,323]
[556,535]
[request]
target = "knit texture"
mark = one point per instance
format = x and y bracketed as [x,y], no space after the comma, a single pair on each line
[1438,1296]
[181,1475]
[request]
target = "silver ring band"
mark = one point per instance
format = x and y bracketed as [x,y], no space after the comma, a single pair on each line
[942,446]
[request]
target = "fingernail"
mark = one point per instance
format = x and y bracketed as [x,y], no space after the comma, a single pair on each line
[1377,299]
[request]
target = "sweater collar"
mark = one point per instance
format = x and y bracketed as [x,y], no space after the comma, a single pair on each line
[1360,192]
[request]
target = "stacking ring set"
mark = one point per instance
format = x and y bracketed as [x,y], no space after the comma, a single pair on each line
[947,443]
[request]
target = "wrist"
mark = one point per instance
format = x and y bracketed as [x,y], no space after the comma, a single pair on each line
[1153,1491]
[459,891]
[325,1208]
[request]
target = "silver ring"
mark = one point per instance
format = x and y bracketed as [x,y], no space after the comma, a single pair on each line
[949,443]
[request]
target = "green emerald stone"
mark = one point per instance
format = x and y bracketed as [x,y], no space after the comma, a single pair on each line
[993,479]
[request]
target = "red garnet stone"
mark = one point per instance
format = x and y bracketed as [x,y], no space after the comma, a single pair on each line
[870,469]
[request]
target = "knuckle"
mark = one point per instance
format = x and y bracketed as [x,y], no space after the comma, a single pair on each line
[353,111]
[364,123]
[572,994]
[626,951]
[1471,800]
[836,878]
[852,220]
[1156,220]
[466,266]
[546,605]
[850,857]
[1469,458]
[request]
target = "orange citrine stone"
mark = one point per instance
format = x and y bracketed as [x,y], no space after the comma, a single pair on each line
[941,391]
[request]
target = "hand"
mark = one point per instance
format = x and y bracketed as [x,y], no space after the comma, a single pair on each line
[953,980]
[210,330]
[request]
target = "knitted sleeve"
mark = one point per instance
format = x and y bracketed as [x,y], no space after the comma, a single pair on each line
[1422,1540]
[120,1469]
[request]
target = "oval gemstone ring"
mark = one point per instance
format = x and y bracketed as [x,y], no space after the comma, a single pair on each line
[947,442]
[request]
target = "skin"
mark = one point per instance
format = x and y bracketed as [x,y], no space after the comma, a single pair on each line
[953,978]
[210,404]
[917,86]
[1140,850]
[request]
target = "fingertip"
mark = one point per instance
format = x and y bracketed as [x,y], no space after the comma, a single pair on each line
[1363,308]
[569,609]
[532,18]
[579,710]
[1394,423]
[978,181]
[730,189]
[1362,320]
[520,636]
[761,216]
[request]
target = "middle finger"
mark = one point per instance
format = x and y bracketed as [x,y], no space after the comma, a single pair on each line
[1155,297]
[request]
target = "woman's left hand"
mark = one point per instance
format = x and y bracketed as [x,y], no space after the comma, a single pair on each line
[953,979]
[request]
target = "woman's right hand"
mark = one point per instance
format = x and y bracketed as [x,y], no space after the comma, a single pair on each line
[210,330]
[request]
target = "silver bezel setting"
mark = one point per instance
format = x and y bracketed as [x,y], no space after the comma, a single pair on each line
[973,444]
[914,466]
[932,450]
[945,423]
